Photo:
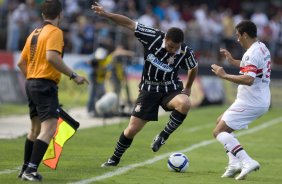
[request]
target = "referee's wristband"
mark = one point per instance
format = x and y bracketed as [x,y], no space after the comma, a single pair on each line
[73,75]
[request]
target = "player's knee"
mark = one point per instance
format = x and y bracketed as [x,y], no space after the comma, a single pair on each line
[215,132]
[218,120]
[33,134]
[130,132]
[183,105]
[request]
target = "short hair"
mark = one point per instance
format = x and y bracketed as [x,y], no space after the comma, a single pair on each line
[51,9]
[175,34]
[247,26]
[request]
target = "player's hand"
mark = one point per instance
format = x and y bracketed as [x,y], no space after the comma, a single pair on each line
[80,80]
[218,70]
[226,53]
[98,9]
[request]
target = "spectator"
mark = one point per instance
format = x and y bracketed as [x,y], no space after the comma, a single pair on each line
[102,63]
[17,22]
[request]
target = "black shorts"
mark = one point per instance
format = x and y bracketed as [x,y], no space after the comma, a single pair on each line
[42,97]
[147,104]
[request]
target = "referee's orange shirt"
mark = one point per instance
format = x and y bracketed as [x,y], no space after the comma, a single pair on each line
[50,39]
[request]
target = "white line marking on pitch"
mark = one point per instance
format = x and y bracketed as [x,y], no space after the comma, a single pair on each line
[9,171]
[124,169]
[191,129]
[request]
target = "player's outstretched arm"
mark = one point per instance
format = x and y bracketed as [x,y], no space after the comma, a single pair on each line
[230,58]
[117,18]
[190,79]
[238,79]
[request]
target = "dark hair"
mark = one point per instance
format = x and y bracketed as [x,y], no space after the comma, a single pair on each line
[175,34]
[51,8]
[247,26]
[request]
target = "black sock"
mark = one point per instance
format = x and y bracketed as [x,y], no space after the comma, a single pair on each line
[122,145]
[175,120]
[27,152]
[39,149]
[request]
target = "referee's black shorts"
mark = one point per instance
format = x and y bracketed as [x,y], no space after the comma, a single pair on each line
[42,97]
[147,104]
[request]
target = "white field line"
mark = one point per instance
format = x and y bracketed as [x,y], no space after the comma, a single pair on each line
[124,169]
[192,129]
[9,171]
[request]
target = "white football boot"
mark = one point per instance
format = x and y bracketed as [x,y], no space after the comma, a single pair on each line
[232,170]
[248,167]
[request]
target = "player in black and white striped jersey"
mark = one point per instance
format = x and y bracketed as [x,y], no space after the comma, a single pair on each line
[161,62]
[164,55]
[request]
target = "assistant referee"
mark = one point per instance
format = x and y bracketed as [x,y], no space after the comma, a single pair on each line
[41,63]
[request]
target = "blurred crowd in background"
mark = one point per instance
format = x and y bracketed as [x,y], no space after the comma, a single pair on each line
[208,24]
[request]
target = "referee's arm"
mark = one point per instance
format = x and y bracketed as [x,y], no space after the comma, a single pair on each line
[117,18]
[55,59]
[22,66]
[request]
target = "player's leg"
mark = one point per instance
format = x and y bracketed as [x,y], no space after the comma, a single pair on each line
[235,118]
[233,146]
[125,140]
[48,129]
[180,105]
[44,95]
[34,130]
[33,133]
[146,109]
[234,164]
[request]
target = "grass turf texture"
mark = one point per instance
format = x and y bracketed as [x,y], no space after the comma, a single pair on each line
[84,153]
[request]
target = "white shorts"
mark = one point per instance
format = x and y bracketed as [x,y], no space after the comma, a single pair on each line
[238,116]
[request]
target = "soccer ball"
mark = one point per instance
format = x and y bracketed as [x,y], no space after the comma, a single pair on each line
[178,162]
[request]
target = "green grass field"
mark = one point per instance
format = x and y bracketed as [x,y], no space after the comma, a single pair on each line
[84,153]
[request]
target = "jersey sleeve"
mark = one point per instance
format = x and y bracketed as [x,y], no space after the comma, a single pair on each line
[55,41]
[146,35]
[251,64]
[190,61]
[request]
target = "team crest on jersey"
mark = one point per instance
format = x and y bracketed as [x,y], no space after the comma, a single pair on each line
[170,60]
[138,107]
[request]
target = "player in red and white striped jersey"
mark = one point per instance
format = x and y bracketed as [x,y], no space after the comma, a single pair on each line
[253,98]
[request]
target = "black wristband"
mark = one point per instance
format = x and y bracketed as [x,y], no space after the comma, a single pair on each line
[73,75]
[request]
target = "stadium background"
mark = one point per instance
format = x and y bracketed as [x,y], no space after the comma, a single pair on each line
[208,25]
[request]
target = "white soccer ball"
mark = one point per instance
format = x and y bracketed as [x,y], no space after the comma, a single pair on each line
[178,162]
[107,103]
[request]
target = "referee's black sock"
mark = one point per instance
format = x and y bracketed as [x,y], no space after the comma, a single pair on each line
[27,152]
[39,149]
[121,146]
[175,120]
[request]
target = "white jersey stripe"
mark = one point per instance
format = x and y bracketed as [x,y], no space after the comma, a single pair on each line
[154,42]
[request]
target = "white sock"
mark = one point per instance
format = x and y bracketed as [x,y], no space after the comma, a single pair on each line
[232,159]
[232,145]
